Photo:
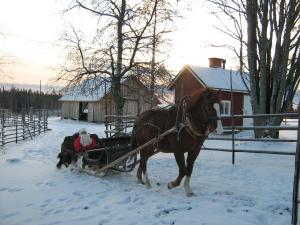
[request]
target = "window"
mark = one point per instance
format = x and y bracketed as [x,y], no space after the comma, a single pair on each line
[226,108]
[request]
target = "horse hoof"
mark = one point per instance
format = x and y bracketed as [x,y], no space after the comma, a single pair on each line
[170,186]
[190,194]
[139,181]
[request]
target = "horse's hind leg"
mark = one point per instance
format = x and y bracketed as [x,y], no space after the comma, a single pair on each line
[145,154]
[189,169]
[139,174]
[143,170]
[182,170]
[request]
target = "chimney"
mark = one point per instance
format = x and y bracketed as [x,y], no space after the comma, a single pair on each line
[217,63]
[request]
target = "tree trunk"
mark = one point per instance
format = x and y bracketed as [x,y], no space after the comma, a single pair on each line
[153,62]
[252,61]
[116,78]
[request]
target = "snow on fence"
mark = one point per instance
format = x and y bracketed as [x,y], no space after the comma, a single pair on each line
[118,124]
[16,128]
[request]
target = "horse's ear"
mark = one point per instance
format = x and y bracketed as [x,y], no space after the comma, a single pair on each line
[209,93]
[219,93]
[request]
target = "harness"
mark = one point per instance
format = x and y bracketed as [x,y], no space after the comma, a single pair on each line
[186,122]
[182,122]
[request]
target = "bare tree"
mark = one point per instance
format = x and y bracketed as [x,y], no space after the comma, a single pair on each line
[273,56]
[5,60]
[161,26]
[235,11]
[272,53]
[157,80]
[117,47]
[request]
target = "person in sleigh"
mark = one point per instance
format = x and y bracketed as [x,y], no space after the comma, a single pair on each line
[84,141]
[77,143]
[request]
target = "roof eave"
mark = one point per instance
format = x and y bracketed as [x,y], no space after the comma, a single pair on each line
[179,74]
[229,90]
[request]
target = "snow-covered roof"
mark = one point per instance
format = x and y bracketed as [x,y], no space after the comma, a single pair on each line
[88,91]
[218,78]
[78,96]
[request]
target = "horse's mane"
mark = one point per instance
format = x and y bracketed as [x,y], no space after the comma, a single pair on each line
[199,97]
[197,104]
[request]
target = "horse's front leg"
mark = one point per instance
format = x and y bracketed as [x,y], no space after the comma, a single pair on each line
[182,170]
[192,156]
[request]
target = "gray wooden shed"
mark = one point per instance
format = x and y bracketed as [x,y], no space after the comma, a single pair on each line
[94,103]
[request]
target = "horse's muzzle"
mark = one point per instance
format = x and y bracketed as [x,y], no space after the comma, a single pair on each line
[219,122]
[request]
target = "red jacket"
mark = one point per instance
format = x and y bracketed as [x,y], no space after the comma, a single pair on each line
[78,147]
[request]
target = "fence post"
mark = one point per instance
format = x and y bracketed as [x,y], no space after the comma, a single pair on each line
[296,179]
[45,112]
[23,124]
[47,116]
[39,121]
[34,127]
[16,131]
[232,120]
[2,128]
[31,113]
[44,128]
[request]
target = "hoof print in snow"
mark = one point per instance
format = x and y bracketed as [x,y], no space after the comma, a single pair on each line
[192,194]
[280,209]
[85,207]
[165,212]
[13,160]
[223,193]
[229,210]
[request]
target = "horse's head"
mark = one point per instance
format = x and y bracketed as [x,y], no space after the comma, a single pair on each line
[202,110]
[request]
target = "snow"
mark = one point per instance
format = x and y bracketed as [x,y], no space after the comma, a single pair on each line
[219,78]
[257,190]
[88,91]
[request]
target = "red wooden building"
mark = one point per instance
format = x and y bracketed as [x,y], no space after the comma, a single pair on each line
[191,78]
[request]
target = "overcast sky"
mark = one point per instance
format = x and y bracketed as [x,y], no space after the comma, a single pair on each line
[30,32]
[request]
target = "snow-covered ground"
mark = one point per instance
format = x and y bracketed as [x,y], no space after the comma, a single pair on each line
[257,190]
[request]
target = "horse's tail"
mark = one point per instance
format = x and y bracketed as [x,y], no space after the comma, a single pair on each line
[133,143]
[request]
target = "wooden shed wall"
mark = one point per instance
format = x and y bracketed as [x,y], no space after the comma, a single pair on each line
[238,102]
[131,90]
[94,109]
[97,110]
[70,110]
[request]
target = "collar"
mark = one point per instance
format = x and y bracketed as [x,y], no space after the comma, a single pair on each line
[192,132]
[188,124]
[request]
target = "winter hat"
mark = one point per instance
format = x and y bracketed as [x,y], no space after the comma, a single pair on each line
[82,131]
[85,139]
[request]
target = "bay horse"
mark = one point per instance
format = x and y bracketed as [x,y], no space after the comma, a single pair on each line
[194,117]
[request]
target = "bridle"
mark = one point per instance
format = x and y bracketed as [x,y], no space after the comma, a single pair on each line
[186,121]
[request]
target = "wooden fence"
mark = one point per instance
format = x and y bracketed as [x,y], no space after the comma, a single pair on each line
[15,128]
[118,125]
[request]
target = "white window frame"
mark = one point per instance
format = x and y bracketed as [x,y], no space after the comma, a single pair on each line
[223,112]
